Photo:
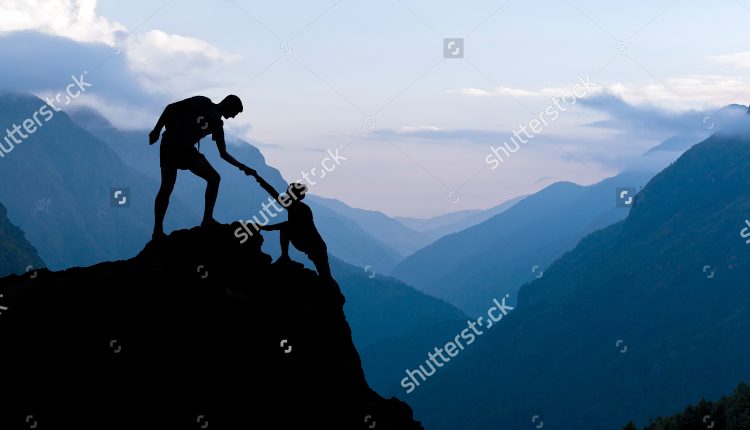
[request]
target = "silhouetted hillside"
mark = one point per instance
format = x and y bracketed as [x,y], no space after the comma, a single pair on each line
[16,253]
[196,327]
[728,413]
[638,320]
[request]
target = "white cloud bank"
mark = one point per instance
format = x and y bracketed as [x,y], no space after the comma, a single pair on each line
[163,62]
[690,92]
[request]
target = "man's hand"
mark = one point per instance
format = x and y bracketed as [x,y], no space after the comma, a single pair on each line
[154,136]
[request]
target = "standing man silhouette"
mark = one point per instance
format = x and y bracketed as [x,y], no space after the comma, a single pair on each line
[186,123]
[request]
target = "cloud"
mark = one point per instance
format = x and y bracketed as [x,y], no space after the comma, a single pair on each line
[738,59]
[641,119]
[606,111]
[28,55]
[180,51]
[161,62]
[648,120]
[514,92]
[73,19]
[115,90]
[436,135]
[615,142]
[682,93]
[691,92]
[416,129]
[172,60]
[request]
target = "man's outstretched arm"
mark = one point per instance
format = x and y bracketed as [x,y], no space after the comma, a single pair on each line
[222,147]
[266,186]
[271,227]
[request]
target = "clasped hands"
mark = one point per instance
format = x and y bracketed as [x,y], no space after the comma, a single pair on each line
[249,171]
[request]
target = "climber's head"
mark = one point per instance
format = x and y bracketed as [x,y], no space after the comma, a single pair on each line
[296,191]
[230,106]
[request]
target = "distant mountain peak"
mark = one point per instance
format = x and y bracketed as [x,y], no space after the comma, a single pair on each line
[734,106]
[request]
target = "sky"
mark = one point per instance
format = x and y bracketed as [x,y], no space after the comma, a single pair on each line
[414,130]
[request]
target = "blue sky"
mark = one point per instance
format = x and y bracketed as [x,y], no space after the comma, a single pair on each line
[370,78]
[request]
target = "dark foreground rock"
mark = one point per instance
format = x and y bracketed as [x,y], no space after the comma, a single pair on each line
[197,331]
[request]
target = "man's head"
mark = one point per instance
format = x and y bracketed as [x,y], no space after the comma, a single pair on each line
[230,106]
[296,191]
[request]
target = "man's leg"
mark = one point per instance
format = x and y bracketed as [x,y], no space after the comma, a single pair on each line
[168,178]
[284,241]
[321,265]
[203,169]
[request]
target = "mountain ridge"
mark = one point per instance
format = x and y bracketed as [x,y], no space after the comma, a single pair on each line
[632,306]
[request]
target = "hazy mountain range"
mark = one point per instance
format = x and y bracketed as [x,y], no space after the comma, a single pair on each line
[616,302]
[495,257]
[640,319]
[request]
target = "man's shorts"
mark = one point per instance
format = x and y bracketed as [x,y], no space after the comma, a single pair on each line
[179,155]
[315,250]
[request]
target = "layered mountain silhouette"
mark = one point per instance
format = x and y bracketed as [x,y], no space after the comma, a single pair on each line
[196,328]
[436,227]
[16,253]
[640,319]
[394,234]
[494,258]
[408,235]
[240,198]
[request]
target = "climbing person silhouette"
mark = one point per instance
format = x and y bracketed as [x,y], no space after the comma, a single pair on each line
[186,123]
[299,228]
